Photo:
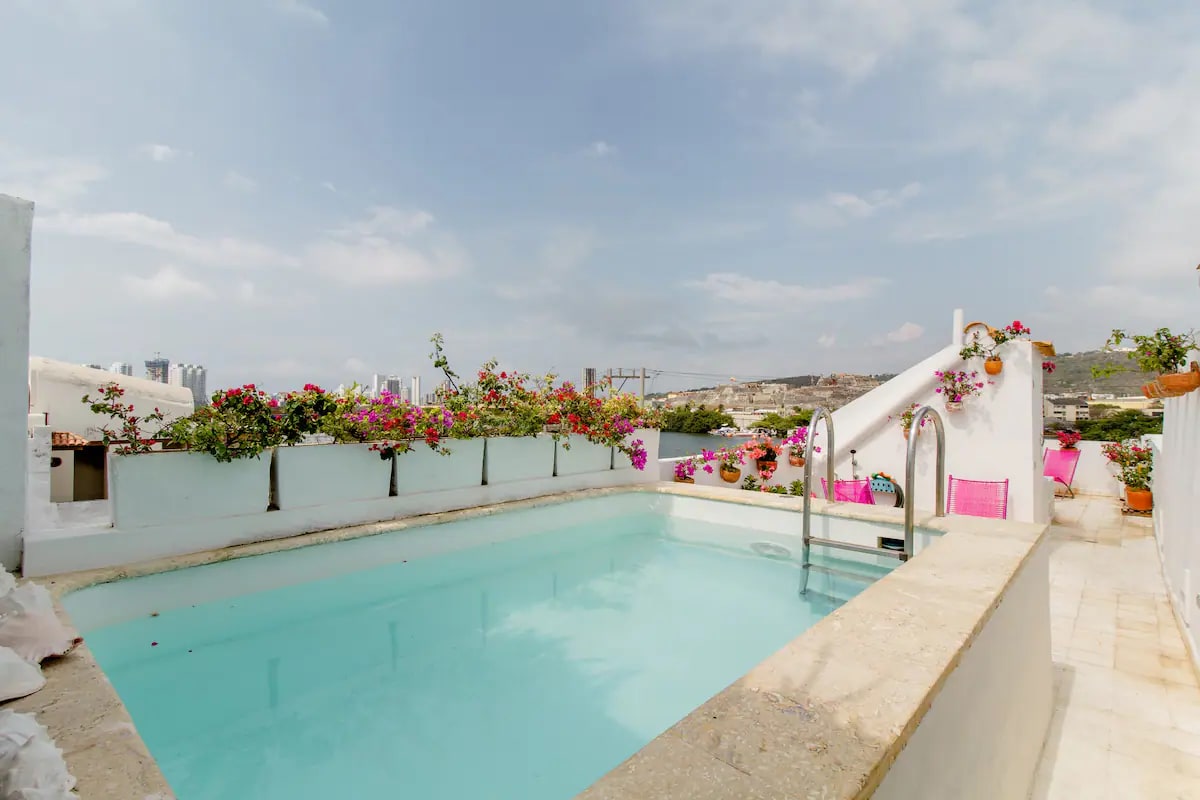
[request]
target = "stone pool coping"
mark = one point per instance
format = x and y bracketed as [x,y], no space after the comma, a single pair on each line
[815,713]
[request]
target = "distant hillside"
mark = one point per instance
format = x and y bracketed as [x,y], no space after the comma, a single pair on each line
[1074,374]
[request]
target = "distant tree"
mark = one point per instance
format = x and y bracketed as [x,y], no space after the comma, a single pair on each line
[779,425]
[695,420]
[1126,424]
[1101,410]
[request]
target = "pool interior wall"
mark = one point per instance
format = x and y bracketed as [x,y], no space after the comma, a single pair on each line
[543,645]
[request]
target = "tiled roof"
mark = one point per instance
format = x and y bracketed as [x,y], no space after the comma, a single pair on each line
[66,439]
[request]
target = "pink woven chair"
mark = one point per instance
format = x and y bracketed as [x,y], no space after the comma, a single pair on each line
[978,498]
[850,491]
[1060,465]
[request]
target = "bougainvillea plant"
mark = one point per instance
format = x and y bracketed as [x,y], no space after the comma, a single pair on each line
[907,415]
[240,423]
[955,386]
[1161,352]
[997,337]
[1068,439]
[798,440]
[130,438]
[1135,460]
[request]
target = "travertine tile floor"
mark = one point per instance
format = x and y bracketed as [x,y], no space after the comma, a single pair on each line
[1127,720]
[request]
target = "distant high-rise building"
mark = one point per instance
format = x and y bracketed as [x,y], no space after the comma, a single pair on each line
[157,368]
[405,394]
[391,385]
[416,389]
[193,377]
[121,368]
[376,383]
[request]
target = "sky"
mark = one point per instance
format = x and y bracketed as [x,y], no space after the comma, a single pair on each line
[306,190]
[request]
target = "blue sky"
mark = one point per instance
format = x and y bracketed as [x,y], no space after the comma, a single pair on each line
[294,190]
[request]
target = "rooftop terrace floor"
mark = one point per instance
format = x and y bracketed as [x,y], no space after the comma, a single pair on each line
[1127,717]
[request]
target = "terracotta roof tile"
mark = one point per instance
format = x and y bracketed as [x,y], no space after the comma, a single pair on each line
[66,439]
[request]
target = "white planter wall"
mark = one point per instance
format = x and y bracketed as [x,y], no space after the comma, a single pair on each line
[582,457]
[1176,502]
[424,470]
[519,458]
[155,488]
[319,474]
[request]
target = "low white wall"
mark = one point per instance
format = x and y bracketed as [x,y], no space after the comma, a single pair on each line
[983,735]
[56,388]
[1093,474]
[996,435]
[16,225]
[173,504]
[1176,506]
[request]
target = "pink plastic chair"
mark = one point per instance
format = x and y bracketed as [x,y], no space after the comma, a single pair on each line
[850,491]
[978,498]
[1060,465]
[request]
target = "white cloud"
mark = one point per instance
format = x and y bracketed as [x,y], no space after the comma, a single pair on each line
[158,152]
[328,185]
[849,36]
[553,272]
[238,182]
[839,207]
[600,149]
[49,182]
[732,287]
[169,283]
[304,11]
[908,332]
[389,246]
[138,229]
[353,364]
[826,340]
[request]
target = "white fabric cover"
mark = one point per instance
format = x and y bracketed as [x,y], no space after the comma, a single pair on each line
[31,767]
[18,677]
[29,625]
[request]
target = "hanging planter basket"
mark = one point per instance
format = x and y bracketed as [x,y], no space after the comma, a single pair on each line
[954,405]
[730,475]
[1164,390]
[1176,384]
[766,464]
[684,480]
[993,365]
[796,461]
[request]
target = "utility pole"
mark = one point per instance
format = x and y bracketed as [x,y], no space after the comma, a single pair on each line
[624,375]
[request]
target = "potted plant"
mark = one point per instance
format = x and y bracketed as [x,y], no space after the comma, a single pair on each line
[955,386]
[685,468]
[1136,463]
[730,462]
[992,363]
[1161,352]
[906,419]
[796,444]
[1067,440]
[762,450]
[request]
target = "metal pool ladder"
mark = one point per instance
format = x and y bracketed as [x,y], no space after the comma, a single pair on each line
[909,474]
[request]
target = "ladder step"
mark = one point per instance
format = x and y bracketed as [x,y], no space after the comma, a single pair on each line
[858,548]
[842,573]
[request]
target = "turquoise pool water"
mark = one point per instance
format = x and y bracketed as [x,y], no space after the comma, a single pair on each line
[522,669]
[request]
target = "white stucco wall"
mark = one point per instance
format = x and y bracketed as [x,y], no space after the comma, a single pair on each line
[983,735]
[56,389]
[16,226]
[1176,523]
[997,435]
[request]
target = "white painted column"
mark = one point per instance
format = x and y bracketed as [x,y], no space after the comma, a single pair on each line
[16,226]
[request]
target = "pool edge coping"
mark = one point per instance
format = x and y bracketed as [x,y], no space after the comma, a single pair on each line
[89,722]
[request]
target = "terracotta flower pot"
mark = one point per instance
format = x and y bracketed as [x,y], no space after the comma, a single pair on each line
[1163,389]
[1175,384]
[993,366]
[796,461]
[1146,391]
[1152,391]
[952,405]
[1139,499]
[730,475]
[684,480]
[907,431]
[766,464]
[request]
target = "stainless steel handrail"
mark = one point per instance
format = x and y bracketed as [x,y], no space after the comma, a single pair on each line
[910,473]
[817,415]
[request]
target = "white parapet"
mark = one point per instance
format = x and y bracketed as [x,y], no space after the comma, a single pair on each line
[16,227]
[1176,521]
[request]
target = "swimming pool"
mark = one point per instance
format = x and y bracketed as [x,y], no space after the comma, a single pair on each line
[519,655]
